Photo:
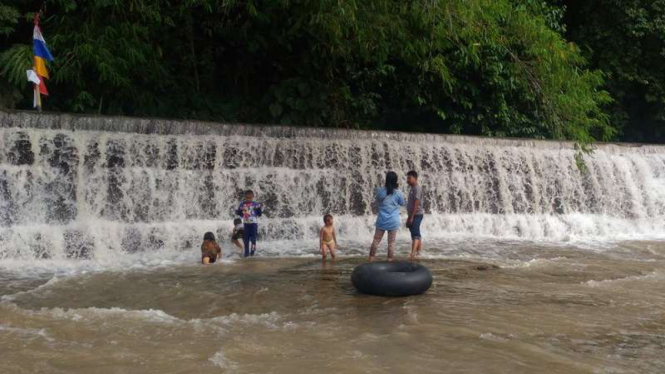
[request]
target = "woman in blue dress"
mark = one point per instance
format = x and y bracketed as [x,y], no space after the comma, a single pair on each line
[389,200]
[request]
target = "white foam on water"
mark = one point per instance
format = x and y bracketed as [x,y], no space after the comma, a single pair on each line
[25,332]
[493,337]
[220,360]
[37,289]
[74,198]
[272,320]
[651,276]
[93,313]
[269,320]
[532,263]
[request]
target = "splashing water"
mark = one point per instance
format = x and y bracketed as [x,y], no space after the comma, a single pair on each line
[111,188]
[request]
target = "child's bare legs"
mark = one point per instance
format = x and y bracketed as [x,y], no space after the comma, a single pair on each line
[206,260]
[325,248]
[378,236]
[417,239]
[416,245]
[323,252]
[237,243]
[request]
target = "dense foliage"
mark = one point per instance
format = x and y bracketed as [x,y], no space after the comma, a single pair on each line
[626,40]
[491,67]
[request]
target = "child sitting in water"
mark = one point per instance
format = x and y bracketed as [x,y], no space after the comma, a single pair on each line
[210,250]
[236,234]
[328,237]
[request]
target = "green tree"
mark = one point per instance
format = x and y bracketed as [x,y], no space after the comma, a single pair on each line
[490,67]
[10,92]
[626,40]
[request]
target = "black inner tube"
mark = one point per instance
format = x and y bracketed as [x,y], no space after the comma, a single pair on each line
[391,278]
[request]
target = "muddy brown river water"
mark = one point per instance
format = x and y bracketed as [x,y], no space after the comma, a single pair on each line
[538,309]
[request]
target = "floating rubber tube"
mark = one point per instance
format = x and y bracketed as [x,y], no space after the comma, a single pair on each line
[391,278]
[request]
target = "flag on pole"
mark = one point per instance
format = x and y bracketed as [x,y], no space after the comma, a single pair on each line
[40,67]
[33,77]
[39,44]
[42,87]
[39,73]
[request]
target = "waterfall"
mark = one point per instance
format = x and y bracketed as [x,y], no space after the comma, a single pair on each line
[96,187]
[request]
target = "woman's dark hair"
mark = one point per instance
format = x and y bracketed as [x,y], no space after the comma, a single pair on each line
[391,182]
[237,221]
[209,236]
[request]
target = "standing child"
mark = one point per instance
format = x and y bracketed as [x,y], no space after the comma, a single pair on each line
[328,237]
[249,211]
[236,234]
[210,250]
[414,209]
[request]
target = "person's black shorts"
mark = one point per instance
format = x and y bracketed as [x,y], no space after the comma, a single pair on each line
[211,257]
[237,235]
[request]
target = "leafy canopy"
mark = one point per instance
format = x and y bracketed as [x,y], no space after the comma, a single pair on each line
[490,67]
[626,40]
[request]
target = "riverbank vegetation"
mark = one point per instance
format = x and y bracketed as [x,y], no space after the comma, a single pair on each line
[521,68]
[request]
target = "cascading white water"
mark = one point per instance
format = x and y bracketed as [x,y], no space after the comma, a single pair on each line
[88,187]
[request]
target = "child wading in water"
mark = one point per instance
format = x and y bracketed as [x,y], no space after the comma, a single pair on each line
[249,211]
[414,208]
[210,250]
[236,234]
[328,237]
